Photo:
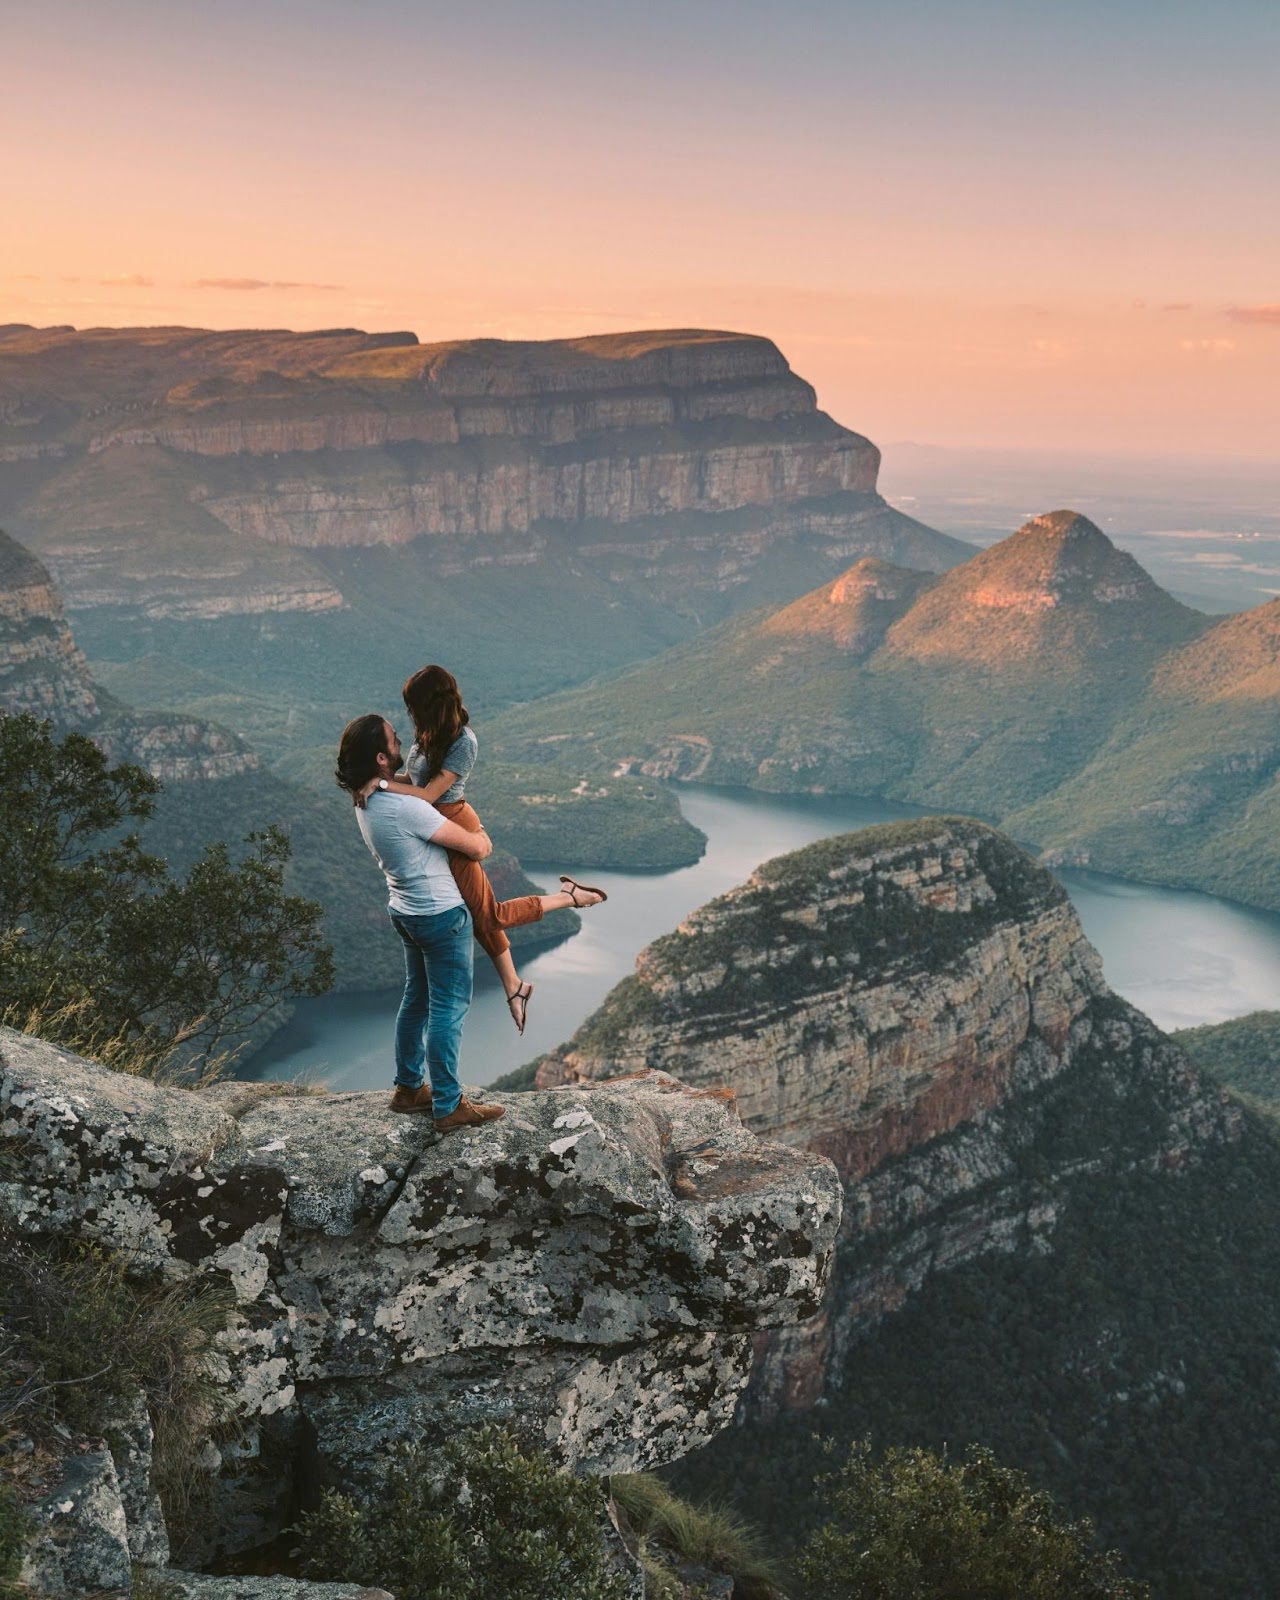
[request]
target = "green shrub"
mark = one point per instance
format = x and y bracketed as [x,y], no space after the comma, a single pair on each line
[915,1526]
[103,942]
[480,1519]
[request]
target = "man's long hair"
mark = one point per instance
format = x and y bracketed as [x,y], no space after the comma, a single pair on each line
[433,700]
[363,741]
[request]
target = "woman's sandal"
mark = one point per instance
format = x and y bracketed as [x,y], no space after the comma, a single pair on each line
[585,888]
[518,1005]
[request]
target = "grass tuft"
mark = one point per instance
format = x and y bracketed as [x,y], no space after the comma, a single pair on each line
[76,1025]
[705,1535]
[79,1336]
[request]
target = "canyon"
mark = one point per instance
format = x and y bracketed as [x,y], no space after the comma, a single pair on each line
[271,514]
[875,1068]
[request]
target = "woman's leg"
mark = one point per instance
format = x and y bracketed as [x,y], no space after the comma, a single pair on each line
[489,914]
[492,916]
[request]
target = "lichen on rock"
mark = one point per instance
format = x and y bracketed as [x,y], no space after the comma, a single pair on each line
[590,1269]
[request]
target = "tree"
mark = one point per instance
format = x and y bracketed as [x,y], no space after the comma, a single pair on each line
[915,1526]
[480,1518]
[93,927]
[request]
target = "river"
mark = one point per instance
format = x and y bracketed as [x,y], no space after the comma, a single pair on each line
[1183,958]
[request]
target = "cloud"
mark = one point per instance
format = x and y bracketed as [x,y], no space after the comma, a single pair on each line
[1210,347]
[1176,305]
[1266,314]
[264,283]
[127,280]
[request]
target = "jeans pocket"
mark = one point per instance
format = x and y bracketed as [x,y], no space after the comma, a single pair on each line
[461,918]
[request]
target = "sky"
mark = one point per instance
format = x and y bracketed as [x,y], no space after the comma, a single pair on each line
[982,223]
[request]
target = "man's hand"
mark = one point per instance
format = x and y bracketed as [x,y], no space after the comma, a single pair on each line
[487,842]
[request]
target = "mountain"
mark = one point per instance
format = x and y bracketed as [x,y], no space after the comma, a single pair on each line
[1058,1238]
[1056,597]
[305,517]
[1243,1054]
[1186,788]
[1049,684]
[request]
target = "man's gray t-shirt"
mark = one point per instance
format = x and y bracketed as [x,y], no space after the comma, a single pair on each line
[398,830]
[460,758]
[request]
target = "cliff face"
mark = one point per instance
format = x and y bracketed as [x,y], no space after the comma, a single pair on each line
[197,446]
[919,1004]
[41,669]
[592,1267]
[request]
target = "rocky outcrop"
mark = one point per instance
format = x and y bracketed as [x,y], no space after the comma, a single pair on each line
[591,1269]
[43,671]
[203,448]
[41,668]
[176,749]
[918,1003]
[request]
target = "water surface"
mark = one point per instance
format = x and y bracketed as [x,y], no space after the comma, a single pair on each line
[1183,958]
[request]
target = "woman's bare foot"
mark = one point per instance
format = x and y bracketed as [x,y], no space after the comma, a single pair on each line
[518,1004]
[581,895]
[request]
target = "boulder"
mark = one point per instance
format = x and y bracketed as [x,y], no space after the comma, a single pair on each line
[80,1542]
[591,1269]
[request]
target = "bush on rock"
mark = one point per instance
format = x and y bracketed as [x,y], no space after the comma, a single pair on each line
[102,948]
[915,1526]
[482,1518]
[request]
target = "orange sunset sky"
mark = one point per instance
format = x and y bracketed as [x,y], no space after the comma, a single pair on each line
[996,223]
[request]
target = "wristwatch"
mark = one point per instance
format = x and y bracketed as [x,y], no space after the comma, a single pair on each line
[383,784]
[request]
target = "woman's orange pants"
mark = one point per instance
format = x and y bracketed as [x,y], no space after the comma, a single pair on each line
[489,915]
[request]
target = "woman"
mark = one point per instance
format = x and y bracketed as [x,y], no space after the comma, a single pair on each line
[436,769]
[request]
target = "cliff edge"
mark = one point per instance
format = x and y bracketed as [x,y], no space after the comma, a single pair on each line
[592,1268]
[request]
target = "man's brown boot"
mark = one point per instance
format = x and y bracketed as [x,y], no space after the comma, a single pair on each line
[467,1114]
[406,1099]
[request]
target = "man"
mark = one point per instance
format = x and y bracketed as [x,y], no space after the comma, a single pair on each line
[409,839]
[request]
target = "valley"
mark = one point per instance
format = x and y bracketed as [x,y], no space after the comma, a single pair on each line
[1048,684]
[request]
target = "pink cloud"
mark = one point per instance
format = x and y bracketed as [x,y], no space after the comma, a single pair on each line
[264,283]
[1269,314]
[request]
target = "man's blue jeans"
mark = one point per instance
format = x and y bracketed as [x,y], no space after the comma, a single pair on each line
[438,965]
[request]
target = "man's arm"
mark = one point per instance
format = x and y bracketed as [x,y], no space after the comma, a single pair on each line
[476,845]
[430,792]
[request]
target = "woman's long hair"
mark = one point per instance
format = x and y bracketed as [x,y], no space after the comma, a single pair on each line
[432,699]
